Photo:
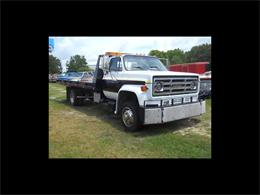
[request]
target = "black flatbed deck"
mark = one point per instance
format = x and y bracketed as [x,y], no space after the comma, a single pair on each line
[78,84]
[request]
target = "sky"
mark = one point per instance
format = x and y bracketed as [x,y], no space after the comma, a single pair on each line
[91,47]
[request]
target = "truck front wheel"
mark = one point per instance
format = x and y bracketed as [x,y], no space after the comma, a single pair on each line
[129,116]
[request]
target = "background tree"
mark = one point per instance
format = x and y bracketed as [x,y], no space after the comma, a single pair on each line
[54,65]
[159,54]
[177,56]
[77,63]
[199,53]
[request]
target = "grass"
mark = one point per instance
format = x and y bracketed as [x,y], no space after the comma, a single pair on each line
[92,131]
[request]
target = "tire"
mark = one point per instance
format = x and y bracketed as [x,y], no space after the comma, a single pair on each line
[68,94]
[130,117]
[74,101]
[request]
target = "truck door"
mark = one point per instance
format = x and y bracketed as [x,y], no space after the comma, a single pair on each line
[111,79]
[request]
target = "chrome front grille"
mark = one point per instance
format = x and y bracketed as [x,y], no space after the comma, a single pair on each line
[175,85]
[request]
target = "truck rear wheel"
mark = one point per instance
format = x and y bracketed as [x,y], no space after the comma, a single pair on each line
[129,116]
[68,94]
[74,101]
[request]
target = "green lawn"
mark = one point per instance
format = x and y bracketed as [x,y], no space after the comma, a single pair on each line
[92,131]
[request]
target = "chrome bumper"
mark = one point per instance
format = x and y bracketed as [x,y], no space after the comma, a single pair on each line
[172,113]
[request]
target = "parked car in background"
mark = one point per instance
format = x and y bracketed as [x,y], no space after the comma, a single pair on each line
[75,76]
[67,76]
[62,76]
[205,85]
[53,78]
[87,77]
[79,76]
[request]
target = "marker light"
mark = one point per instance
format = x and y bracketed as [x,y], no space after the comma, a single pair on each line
[144,88]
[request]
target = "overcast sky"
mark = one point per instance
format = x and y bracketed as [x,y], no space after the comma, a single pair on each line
[91,47]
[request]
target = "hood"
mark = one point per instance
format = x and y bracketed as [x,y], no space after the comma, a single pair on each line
[147,76]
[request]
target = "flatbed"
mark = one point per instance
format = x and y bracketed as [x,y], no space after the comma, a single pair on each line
[78,84]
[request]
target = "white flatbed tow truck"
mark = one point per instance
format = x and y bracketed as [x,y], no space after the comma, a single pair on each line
[140,88]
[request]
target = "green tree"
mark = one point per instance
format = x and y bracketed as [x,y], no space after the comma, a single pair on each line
[77,63]
[54,65]
[176,56]
[159,54]
[199,53]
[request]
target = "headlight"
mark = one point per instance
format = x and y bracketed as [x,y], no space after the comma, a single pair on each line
[193,85]
[158,86]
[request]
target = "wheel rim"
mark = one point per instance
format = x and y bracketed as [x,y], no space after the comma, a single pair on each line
[128,117]
[72,97]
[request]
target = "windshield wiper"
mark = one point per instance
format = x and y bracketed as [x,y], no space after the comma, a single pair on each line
[138,67]
[154,67]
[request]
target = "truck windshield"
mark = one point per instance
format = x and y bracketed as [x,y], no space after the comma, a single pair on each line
[133,63]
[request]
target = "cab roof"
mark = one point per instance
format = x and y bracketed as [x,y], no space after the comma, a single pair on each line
[114,53]
[111,54]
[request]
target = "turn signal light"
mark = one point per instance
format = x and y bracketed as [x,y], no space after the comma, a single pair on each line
[144,88]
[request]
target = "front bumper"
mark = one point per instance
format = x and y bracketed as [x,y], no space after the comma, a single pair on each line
[172,113]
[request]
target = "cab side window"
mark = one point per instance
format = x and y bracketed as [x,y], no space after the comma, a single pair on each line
[115,64]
